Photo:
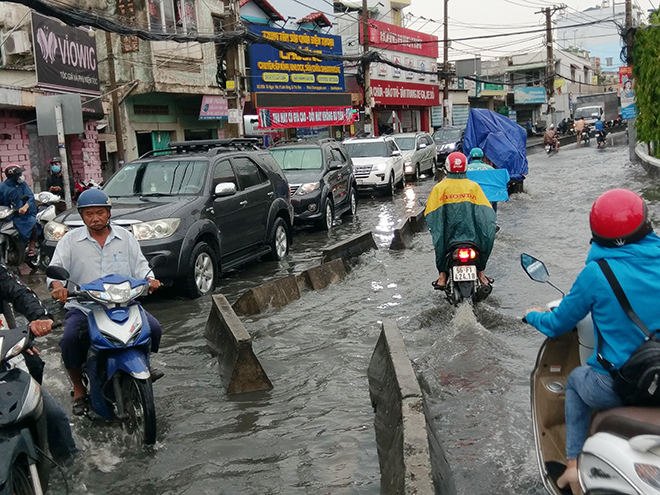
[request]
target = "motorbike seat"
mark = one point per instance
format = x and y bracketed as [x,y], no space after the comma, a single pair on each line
[628,422]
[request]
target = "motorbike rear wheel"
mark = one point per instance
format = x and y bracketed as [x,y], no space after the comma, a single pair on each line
[138,399]
[20,480]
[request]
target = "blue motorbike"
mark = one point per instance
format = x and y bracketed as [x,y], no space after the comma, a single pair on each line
[117,369]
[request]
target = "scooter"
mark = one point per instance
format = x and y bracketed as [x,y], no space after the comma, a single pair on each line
[48,206]
[622,453]
[24,468]
[550,149]
[13,250]
[117,369]
[601,139]
[586,134]
[462,280]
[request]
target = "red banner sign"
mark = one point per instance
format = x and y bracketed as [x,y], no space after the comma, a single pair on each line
[402,93]
[280,118]
[391,37]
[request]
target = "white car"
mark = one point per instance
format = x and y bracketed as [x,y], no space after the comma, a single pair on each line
[377,163]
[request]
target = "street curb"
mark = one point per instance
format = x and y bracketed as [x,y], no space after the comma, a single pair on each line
[229,340]
[403,232]
[649,163]
[410,455]
[350,248]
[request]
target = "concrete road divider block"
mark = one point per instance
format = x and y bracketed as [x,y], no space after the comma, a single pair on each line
[321,276]
[417,220]
[350,248]
[402,235]
[227,338]
[275,294]
[411,459]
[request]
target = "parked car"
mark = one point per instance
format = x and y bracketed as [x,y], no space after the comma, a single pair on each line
[419,153]
[377,163]
[448,140]
[208,206]
[321,180]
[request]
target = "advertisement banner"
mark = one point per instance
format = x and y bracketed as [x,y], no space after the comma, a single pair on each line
[280,118]
[65,57]
[628,110]
[528,95]
[391,37]
[213,108]
[280,71]
[405,93]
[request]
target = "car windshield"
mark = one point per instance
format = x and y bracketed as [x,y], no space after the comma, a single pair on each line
[360,150]
[587,113]
[298,158]
[447,135]
[407,143]
[169,178]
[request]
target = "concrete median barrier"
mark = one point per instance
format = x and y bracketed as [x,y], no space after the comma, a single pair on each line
[404,230]
[228,339]
[275,294]
[410,455]
[417,220]
[321,276]
[350,248]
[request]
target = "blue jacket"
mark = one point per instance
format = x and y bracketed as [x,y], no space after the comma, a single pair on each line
[637,268]
[11,194]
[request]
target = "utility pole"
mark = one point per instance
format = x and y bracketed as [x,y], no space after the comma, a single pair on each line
[368,110]
[445,69]
[550,60]
[632,133]
[235,70]
[116,113]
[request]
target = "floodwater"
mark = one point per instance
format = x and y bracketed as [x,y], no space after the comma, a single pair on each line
[313,433]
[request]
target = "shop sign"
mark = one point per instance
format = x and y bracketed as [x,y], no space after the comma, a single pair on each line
[280,118]
[65,57]
[279,71]
[404,93]
[627,93]
[528,95]
[213,108]
[391,37]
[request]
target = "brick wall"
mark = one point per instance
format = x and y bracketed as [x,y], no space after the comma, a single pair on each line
[85,153]
[14,143]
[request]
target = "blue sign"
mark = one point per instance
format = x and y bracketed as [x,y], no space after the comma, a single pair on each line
[280,71]
[529,95]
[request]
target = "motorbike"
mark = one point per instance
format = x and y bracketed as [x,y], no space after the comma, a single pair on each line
[117,369]
[586,134]
[48,207]
[24,467]
[622,452]
[601,139]
[462,280]
[13,250]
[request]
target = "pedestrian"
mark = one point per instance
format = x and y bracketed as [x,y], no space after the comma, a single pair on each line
[55,180]
[529,127]
[579,128]
[16,194]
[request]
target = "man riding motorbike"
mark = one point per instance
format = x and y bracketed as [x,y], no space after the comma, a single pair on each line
[15,193]
[550,137]
[476,163]
[599,126]
[458,210]
[88,253]
[622,235]
[579,128]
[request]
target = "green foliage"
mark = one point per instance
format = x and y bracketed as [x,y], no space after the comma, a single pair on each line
[646,72]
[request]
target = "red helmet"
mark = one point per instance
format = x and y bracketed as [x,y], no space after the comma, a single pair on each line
[619,217]
[456,162]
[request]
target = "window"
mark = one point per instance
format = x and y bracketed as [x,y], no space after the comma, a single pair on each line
[365,149]
[151,109]
[223,173]
[608,61]
[298,158]
[168,178]
[573,74]
[172,16]
[337,156]
[248,173]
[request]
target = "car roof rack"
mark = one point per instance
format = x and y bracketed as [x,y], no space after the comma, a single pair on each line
[288,142]
[211,146]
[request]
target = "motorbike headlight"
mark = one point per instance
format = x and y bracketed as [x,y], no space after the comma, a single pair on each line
[4,213]
[379,167]
[16,350]
[308,188]
[156,229]
[54,231]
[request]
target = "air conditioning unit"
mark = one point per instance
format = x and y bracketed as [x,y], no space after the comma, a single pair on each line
[16,43]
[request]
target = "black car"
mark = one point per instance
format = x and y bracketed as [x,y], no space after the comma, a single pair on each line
[447,140]
[208,206]
[320,175]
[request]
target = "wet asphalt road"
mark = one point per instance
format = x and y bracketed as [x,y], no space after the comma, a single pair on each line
[313,433]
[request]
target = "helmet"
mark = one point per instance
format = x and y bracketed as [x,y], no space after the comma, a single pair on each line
[13,171]
[552,126]
[93,197]
[619,217]
[55,167]
[476,153]
[456,162]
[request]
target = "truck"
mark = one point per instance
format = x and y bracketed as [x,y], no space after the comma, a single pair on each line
[591,107]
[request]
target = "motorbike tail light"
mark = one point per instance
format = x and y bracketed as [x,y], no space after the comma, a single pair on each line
[466,254]
[649,474]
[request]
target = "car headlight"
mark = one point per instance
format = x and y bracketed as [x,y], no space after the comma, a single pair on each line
[379,167]
[156,229]
[54,231]
[449,147]
[308,188]
[118,293]
[407,162]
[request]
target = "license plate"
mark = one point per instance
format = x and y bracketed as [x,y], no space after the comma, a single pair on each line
[464,273]
[360,182]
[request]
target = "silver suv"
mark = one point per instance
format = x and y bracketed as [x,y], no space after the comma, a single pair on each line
[377,163]
[418,150]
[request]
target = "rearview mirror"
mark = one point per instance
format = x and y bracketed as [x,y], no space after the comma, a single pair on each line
[57,273]
[225,189]
[534,268]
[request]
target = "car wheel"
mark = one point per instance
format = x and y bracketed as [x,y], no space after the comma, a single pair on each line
[326,222]
[402,182]
[389,190]
[417,173]
[201,273]
[279,240]
[352,202]
[434,168]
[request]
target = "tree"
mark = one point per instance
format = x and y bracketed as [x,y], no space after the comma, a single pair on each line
[646,72]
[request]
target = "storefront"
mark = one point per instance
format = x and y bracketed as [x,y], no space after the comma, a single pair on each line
[403,98]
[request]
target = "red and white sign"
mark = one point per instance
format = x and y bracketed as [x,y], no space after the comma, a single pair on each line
[405,93]
[391,37]
[280,118]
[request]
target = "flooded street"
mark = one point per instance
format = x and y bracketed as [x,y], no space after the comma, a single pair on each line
[313,433]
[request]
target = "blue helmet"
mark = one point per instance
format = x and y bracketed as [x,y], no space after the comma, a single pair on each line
[93,197]
[476,153]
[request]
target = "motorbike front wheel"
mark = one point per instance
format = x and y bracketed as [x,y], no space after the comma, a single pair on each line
[20,479]
[138,400]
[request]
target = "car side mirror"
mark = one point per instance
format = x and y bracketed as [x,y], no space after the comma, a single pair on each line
[57,273]
[422,146]
[396,153]
[224,189]
[335,165]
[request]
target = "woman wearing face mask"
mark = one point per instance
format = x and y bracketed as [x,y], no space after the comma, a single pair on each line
[15,193]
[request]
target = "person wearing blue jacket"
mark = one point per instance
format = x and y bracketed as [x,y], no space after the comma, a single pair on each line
[622,235]
[15,193]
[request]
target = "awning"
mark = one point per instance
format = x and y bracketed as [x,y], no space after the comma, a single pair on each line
[524,67]
[588,68]
[576,67]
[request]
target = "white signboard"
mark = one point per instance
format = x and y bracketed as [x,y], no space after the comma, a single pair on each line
[234,116]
